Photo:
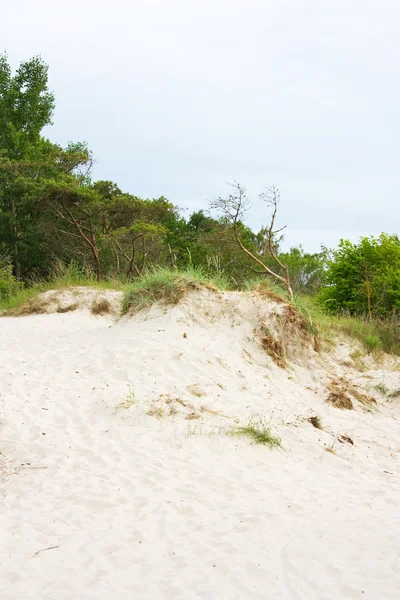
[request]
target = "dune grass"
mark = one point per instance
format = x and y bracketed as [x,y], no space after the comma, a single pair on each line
[267,288]
[375,336]
[167,287]
[258,431]
[379,335]
[63,277]
[170,286]
[316,422]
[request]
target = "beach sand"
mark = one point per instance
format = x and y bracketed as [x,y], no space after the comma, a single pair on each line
[121,476]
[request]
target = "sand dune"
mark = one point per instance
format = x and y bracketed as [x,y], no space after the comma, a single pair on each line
[119,480]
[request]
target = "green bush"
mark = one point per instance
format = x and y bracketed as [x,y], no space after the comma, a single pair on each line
[372,342]
[9,286]
[364,279]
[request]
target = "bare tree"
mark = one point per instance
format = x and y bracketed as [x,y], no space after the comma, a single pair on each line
[234,207]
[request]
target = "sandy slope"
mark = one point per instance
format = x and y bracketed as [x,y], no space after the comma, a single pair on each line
[101,501]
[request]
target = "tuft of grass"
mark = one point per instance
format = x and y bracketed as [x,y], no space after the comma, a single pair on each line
[316,422]
[72,275]
[381,388]
[101,307]
[259,432]
[69,308]
[394,394]
[331,448]
[267,288]
[63,277]
[376,336]
[339,399]
[157,411]
[13,304]
[167,287]
[129,400]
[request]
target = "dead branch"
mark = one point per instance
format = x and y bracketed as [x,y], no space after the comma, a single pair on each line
[233,209]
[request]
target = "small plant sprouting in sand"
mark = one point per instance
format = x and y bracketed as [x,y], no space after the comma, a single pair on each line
[316,422]
[381,388]
[259,432]
[394,394]
[130,399]
[331,448]
[194,429]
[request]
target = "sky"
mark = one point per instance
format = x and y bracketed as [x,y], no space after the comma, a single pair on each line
[180,97]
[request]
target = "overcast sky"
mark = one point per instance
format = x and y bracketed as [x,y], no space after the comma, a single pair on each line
[178,97]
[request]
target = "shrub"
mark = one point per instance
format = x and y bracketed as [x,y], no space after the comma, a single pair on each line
[372,342]
[364,278]
[9,286]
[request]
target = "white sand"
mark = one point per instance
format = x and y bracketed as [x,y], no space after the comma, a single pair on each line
[102,502]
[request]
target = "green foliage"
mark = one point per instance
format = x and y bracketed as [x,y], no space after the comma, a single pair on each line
[364,278]
[62,276]
[9,286]
[26,106]
[27,160]
[382,388]
[307,271]
[167,286]
[9,304]
[372,342]
[52,214]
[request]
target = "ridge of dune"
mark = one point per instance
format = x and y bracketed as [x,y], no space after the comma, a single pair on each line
[118,478]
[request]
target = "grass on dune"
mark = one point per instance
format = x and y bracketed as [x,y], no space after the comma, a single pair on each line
[379,335]
[258,431]
[267,288]
[168,287]
[375,336]
[64,277]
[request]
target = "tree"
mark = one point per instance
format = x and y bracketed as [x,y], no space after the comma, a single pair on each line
[77,216]
[44,167]
[26,106]
[307,271]
[233,209]
[364,278]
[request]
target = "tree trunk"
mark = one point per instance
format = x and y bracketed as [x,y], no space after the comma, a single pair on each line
[369,294]
[95,251]
[15,250]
